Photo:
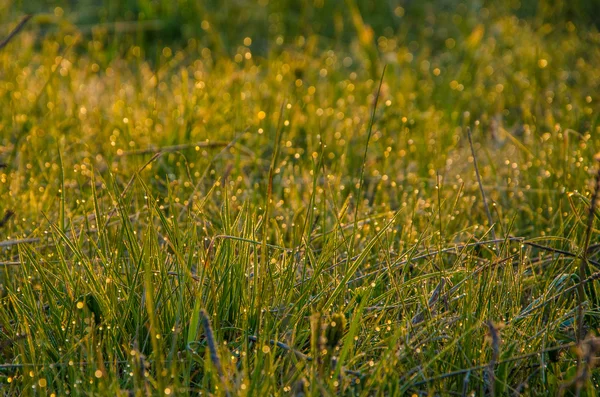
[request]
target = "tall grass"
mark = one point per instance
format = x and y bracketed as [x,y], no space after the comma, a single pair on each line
[219,216]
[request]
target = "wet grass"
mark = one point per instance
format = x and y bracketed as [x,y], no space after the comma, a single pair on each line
[249,212]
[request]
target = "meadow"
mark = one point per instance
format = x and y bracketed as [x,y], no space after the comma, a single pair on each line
[271,198]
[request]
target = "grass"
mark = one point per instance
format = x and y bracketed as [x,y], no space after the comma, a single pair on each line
[279,208]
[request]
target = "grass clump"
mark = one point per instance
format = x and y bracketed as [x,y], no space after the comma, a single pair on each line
[293,212]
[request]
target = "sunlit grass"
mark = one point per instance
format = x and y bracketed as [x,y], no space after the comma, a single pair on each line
[153,179]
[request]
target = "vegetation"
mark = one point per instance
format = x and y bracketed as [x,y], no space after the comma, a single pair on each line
[299,197]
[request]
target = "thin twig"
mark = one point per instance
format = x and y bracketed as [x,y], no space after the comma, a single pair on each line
[16,30]
[10,263]
[558,251]
[485,204]
[9,243]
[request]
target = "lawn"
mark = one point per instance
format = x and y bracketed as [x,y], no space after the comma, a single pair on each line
[271,198]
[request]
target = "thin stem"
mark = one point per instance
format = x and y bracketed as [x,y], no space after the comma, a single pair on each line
[485,204]
[364,162]
[15,31]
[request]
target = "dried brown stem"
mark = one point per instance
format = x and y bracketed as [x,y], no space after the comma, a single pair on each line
[15,31]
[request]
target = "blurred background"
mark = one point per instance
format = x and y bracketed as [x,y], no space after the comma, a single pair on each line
[222,25]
